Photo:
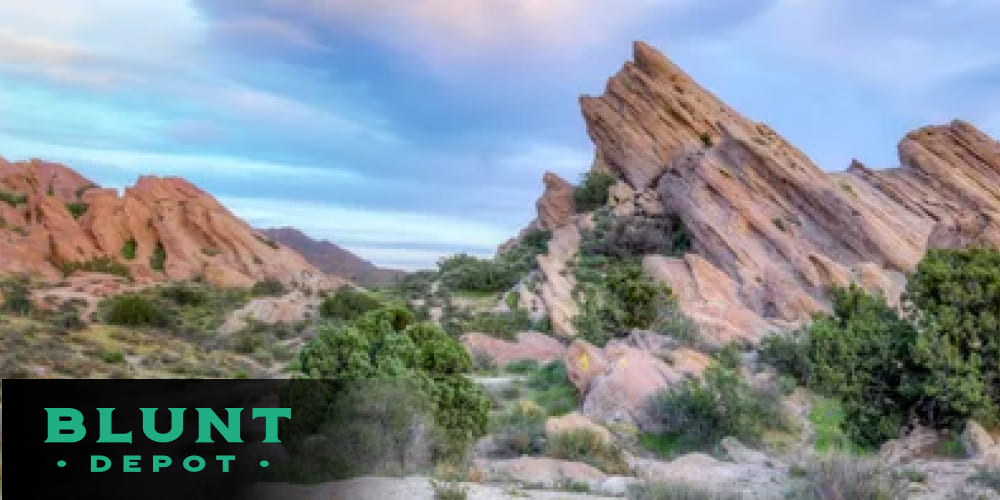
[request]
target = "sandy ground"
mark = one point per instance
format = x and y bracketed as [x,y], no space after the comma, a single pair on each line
[410,488]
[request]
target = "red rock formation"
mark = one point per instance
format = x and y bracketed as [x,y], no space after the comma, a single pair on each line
[556,205]
[197,236]
[773,230]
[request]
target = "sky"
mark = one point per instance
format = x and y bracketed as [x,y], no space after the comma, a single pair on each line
[406,130]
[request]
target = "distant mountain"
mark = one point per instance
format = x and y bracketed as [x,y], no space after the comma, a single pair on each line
[54,221]
[332,259]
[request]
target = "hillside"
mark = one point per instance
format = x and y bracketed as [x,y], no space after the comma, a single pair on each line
[54,221]
[332,259]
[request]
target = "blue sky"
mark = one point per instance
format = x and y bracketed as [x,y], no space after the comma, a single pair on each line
[410,129]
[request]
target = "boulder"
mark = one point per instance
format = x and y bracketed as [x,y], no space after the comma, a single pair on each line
[976,441]
[572,422]
[534,346]
[583,362]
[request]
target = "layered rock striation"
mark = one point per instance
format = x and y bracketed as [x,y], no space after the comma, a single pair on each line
[770,230]
[52,219]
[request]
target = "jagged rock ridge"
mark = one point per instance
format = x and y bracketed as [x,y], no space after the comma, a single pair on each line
[770,230]
[159,223]
[332,259]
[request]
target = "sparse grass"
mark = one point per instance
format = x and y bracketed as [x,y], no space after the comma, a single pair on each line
[845,477]
[104,264]
[778,223]
[448,490]
[267,241]
[706,139]
[676,491]
[827,419]
[268,288]
[847,188]
[988,477]
[586,445]
[519,430]
[13,199]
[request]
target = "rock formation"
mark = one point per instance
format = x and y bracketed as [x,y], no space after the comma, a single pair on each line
[332,259]
[770,230]
[160,229]
[556,206]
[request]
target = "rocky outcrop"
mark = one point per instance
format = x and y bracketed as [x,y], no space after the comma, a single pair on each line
[616,382]
[533,346]
[771,230]
[332,259]
[160,229]
[556,206]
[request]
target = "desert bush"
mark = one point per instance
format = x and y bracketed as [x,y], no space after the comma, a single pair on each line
[13,199]
[183,294]
[269,287]
[76,209]
[698,413]
[128,249]
[520,430]
[636,235]
[586,445]
[135,310]
[988,477]
[592,193]
[104,264]
[845,477]
[16,297]
[347,304]
[676,491]
[159,258]
[448,490]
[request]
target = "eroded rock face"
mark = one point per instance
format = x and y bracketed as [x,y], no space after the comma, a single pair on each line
[159,217]
[771,230]
[556,206]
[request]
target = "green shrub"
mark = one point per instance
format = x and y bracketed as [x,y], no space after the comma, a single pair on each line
[13,199]
[183,294]
[128,249]
[522,366]
[592,193]
[464,272]
[135,310]
[698,413]
[788,353]
[504,325]
[954,300]
[626,299]
[112,356]
[104,264]
[386,344]
[706,139]
[586,445]
[269,287]
[76,209]
[16,297]
[159,258]
[554,391]
[347,304]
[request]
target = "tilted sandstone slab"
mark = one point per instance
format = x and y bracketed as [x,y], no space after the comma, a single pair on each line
[773,231]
